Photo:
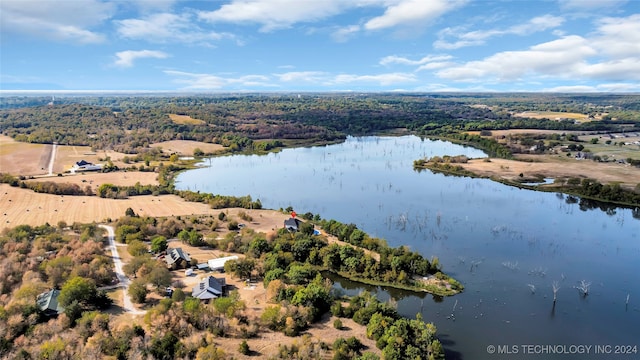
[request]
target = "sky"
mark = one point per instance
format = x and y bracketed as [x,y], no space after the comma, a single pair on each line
[320,45]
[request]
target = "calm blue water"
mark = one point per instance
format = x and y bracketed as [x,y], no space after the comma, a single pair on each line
[497,240]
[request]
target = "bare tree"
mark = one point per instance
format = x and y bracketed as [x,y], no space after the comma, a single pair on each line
[532,288]
[626,304]
[556,287]
[474,264]
[584,287]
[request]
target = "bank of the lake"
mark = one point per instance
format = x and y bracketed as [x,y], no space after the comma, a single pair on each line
[587,188]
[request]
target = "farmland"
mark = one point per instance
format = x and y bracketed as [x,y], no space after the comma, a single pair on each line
[185,120]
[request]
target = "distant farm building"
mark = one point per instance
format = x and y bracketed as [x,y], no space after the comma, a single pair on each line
[48,303]
[218,264]
[209,288]
[83,165]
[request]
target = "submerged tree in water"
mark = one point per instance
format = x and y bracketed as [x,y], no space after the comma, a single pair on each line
[555,287]
[583,288]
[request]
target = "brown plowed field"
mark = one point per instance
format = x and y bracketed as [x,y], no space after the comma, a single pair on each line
[95,179]
[23,206]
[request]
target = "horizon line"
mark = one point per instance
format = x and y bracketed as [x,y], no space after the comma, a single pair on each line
[219,92]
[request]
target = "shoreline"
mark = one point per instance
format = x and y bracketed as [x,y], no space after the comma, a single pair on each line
[462,170]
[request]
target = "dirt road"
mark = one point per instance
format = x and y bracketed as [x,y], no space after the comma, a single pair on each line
[122,278]
[52,158]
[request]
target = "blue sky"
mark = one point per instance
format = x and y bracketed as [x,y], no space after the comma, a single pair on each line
[320,45]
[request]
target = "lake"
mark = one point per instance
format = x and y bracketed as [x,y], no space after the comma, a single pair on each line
[506,245]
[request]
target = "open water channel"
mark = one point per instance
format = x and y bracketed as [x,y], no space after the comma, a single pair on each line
[506,245]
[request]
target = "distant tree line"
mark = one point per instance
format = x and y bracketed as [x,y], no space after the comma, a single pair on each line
[490,146]
[131,124]
[220,201]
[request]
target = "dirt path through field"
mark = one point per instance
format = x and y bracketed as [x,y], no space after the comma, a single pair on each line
[52,158]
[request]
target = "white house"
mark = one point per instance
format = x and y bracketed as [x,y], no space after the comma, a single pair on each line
[83,165]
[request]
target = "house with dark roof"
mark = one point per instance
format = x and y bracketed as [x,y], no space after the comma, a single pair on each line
[209,288]
[176,258]
[48,303]
[292,224]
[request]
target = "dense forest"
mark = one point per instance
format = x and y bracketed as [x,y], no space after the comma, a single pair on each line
[130,123]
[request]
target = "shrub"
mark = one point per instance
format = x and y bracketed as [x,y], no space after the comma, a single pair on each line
[244,348]
[233,225]
[138,291]
[244,216]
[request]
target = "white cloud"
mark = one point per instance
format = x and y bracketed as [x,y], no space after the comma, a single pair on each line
[393,59]
[613,87]
[538,23]
[558,58]
[609,87]
[344,33]
[381,79]
[435,87]
[195,81]
[590,4]
[148,6]
[126,58]
[167,27]
[571,89]
[434,65]
[619,37]
[615,70]
[610,53]
[57,20]
[281,14]
[302,76]
[411,12]
[479,37]
[274,14]
[619,87]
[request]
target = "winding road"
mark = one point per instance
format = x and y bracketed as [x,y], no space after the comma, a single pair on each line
[122,278]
